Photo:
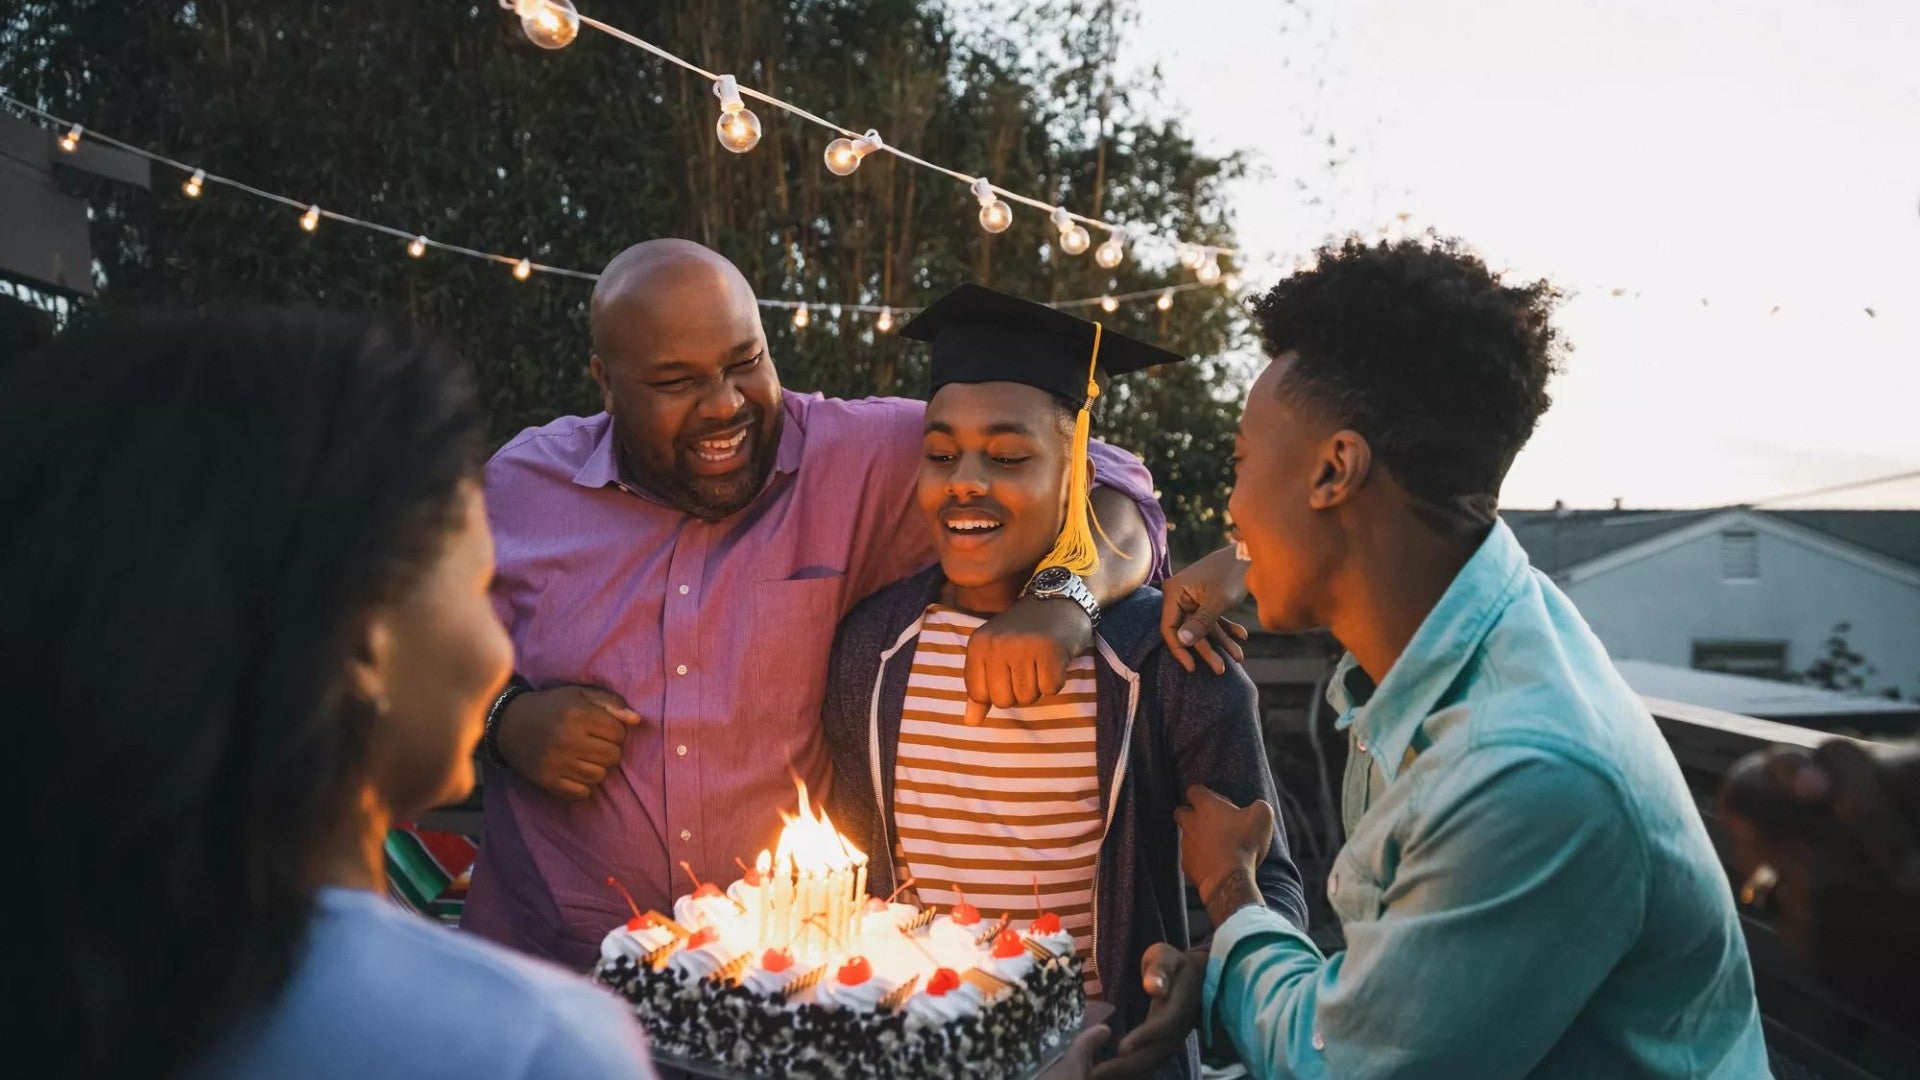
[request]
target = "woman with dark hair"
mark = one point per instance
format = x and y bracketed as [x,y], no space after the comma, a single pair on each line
[244,620]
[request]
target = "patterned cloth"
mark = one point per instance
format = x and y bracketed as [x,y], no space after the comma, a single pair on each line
[428,872]
[1004,809]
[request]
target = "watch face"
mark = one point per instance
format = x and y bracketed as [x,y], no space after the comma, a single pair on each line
[1052,579]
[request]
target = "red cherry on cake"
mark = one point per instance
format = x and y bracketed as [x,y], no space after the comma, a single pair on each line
[701,937]
[776,960]
[965,914]
[854,972]
[1047,923]
[639,923]
[943,980]
[706,890]
[1007,944]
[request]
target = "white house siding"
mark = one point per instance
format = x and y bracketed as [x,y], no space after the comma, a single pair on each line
[1655,607]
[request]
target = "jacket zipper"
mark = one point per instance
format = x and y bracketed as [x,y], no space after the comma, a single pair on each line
[1113,795]
[873,749]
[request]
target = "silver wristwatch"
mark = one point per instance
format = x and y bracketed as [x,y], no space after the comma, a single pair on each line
[1058,582]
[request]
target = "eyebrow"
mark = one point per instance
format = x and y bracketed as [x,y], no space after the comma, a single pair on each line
[938,427]
[749,347]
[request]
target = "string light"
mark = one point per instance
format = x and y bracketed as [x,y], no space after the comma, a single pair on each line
[844,154]
[1165,303]
[1109,305]
[1231,282]
[192,187]
[550,24]
[417,246]
[995,214]
[738,128]
[1073,235]
[1112,249]
[311,219]
[71,140]
[884,323]
[1209,271]
[1191,256]
[801,317]
[523,269]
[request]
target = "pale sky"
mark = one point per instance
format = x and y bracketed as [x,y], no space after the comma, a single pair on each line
[1752,154]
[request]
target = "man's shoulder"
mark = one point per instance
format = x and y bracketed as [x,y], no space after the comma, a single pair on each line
[561,444]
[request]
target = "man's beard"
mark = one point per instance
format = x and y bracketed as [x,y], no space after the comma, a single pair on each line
[714,498]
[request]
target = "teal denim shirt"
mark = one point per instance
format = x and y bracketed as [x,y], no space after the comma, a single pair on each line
[1527,888]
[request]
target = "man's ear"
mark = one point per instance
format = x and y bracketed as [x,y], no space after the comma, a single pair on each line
[1345,462]
[598,369]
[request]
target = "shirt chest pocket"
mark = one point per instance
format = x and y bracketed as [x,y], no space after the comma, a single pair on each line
[1357,886]
[792,638]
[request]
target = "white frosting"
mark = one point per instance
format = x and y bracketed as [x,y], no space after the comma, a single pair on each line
[886,923]
[1009,968]
[947,934]
[1059,943]
[703,961]
[926,1010]
[860,997]
[747,896]
[714,911]
[760,979]
[633,944]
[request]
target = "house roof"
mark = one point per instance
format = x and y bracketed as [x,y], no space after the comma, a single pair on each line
[1557,541]
[1747,696]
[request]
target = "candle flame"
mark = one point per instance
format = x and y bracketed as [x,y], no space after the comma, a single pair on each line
[810,843]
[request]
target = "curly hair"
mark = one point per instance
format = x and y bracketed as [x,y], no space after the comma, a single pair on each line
[1425,352]
[199,509]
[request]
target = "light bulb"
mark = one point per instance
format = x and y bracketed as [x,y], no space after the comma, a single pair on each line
[523,269]
[738,128]
[550,24]
[1165,303]
[1075,240]
[1111,250]
[801,317]
[1231,282]
[884,323]
[194,183]
[995,214]
[1191,256]
[311,219]
[1209,270]
[843,155]
[71,140]
[417,246]
[1109,305]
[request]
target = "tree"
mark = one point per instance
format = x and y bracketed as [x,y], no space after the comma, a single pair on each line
[448,117]
[1839,667]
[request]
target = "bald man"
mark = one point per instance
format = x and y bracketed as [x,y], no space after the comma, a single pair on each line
[672,570]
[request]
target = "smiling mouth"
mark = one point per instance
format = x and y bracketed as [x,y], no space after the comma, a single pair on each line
[971,524]
[721,449]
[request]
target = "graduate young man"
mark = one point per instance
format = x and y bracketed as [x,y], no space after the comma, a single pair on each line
[1526,888]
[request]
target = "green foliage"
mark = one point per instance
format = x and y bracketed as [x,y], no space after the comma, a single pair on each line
[445,118]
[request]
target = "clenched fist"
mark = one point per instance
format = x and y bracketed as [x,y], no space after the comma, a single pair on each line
[1221,846]
[566,738]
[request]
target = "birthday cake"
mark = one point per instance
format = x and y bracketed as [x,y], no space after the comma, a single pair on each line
[793,971]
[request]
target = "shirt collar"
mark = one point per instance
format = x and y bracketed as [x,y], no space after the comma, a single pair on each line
[602,466]
[1386,718]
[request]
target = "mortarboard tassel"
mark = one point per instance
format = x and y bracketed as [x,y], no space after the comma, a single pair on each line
[1075,550]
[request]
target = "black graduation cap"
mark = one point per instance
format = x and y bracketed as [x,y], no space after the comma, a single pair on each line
[979,335]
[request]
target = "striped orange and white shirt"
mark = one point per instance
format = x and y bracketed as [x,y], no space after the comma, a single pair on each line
[998,808]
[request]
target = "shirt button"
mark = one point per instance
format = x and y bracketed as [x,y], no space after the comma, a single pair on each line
[686,834]
[1319,1041]
[1333,883]
[681,749]
[683,590]
[682,670]
[1361,743]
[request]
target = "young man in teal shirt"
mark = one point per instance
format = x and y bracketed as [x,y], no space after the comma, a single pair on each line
[1527,889]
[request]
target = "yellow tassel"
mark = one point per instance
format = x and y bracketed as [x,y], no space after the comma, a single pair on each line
[1075,550]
